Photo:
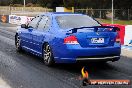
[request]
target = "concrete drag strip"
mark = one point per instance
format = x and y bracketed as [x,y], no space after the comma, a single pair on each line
[126,47]
[127,53]
[3,84]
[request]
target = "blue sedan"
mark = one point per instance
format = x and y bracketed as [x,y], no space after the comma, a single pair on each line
[68,38]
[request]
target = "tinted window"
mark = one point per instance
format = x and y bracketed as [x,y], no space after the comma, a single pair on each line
[42,22]
[47,24]
[34,22]
[75,21]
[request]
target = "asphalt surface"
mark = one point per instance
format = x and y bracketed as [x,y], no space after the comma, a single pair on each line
[24,70]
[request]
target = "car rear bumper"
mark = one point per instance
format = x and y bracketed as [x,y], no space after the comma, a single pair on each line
[98,58]
[74,53]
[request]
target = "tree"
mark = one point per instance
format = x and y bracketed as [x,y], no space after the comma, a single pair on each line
[50,3]
[124,7]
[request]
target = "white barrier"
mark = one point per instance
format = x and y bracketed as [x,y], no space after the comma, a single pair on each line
[128,35]
[125,33]
[14,19]
[29,19]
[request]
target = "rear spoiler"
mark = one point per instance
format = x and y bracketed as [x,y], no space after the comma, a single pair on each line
[96,28]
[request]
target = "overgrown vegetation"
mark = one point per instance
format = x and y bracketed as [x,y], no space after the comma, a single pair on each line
[95,4]
[123,22]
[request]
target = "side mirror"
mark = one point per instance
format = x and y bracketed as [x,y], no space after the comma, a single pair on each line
[23,26]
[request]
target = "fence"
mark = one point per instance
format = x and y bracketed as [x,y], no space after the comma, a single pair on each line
[122,14]
[27,11]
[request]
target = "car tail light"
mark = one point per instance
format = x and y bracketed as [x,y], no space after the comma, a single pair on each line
[118,38]
[71,40]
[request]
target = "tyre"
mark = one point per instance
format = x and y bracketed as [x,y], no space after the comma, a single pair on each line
[48,55]
[18,43]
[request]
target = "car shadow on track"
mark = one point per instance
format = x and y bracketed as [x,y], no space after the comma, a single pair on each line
[96,69]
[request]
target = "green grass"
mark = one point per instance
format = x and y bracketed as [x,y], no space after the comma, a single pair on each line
[123,22]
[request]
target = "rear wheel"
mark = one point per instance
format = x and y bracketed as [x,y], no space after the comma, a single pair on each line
[18,43]
[48,55]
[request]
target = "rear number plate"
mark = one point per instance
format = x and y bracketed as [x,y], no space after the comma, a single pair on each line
[97,40]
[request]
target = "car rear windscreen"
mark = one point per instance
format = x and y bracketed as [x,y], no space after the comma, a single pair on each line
[76,21]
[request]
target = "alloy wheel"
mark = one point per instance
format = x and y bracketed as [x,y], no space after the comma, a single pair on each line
[47,55]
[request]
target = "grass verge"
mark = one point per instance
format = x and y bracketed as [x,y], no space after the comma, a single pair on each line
[123,22]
